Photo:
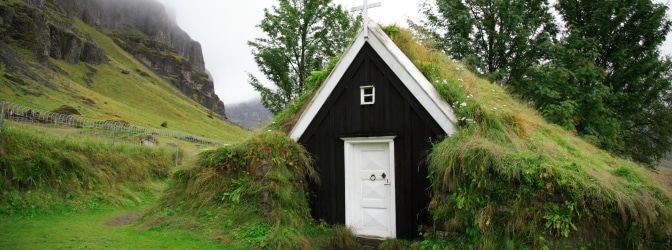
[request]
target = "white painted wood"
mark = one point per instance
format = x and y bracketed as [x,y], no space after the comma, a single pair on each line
[365,14]
[363,95]
[370,208]
[404,69]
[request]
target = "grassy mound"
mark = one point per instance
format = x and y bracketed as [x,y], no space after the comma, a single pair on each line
[252,195]
[508,178]
[42,172]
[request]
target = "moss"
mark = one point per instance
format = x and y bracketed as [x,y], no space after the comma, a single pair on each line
[509,176]
[141,49]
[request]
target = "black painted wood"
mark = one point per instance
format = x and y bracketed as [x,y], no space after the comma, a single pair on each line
[395,112]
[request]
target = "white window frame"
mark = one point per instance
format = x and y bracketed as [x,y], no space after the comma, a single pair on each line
[363,95]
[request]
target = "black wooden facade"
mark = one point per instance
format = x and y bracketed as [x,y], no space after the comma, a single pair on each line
[395,112]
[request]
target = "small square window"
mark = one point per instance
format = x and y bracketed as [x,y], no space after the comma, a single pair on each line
[368,95]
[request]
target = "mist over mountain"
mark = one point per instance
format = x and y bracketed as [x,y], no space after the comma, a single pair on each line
[143,28]
[249,114]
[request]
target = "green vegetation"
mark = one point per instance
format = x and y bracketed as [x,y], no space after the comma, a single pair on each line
[44,172]
[508,178]
[301,36]
[250,195]
[90,231]
[603,76]
[67,192]
[285,119]
[500,40]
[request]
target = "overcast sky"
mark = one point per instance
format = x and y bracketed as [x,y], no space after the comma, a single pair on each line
[224,27]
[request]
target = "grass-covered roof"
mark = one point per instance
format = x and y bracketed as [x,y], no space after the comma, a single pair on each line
[510,177]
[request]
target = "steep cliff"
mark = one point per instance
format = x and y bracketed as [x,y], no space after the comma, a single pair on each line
[141,27]
[47,36]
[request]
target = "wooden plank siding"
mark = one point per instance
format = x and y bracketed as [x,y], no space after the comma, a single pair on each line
[395,112]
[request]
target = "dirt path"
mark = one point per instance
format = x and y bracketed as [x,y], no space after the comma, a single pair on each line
[122,220]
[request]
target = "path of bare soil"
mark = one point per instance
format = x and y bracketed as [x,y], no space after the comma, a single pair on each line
[122,220]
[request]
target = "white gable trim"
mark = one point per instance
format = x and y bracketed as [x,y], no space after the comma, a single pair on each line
[405,70]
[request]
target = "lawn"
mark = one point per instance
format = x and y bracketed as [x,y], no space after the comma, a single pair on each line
[93,230]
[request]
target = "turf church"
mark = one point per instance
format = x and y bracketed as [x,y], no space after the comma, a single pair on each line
[370,127]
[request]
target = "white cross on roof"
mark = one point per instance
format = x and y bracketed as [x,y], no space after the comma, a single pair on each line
[365,15]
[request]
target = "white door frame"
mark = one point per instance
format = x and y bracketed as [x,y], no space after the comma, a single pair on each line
[349,147]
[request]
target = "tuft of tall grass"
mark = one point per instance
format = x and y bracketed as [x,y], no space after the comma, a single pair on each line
[262,181]
[38,169]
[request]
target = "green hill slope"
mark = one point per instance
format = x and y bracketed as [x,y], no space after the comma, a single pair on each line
[121,88]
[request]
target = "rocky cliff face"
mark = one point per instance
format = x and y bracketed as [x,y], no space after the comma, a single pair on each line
[141,27]
[147,16]
[47,36]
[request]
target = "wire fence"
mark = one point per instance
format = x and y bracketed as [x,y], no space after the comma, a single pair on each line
[113,132]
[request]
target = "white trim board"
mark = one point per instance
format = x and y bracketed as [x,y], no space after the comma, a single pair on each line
[404,69]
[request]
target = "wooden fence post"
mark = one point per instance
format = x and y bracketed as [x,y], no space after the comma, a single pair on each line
[177,149]
[114,133]
[2,115]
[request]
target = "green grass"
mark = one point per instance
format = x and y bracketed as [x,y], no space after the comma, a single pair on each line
[249,195]
[57,192]
[88,231]
[509,179]
[40,171]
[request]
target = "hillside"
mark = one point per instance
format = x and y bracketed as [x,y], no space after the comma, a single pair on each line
[111,60]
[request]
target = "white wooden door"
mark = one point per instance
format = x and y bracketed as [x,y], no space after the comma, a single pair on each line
[369,184]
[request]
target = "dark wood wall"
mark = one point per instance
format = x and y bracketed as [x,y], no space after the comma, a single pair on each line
[395,112]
